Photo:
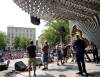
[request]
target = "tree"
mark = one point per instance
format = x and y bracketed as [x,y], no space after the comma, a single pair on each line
[3,40]
[54,31]
[16,43]
[24,41]
[21,42]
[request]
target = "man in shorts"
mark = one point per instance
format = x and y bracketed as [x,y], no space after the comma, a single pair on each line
[59,54]
[45,55]
[32,58]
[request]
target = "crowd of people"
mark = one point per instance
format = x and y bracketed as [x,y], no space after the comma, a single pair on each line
[62,52]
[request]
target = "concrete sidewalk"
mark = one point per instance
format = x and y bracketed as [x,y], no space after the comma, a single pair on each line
[68,70]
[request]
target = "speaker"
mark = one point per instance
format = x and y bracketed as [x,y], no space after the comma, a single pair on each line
[35,20]
[20,66]
[3,66]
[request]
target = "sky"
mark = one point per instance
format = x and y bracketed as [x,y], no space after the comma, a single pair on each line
[12,15]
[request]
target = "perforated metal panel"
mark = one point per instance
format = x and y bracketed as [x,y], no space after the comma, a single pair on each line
[85,12]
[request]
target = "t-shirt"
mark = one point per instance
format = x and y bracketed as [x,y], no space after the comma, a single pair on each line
[45,48]
[31,51]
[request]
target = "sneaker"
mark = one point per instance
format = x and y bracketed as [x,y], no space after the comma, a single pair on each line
[44,69]
[58,64]
[80,73]
[86,74]
[62,63]
[34,74]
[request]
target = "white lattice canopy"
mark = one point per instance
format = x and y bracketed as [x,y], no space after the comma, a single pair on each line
[60,9]
[86,13]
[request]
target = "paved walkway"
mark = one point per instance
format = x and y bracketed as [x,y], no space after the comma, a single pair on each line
[68,70]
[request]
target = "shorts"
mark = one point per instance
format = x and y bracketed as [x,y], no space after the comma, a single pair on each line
[32,61]
[60,57]
[45,57]
[64,55]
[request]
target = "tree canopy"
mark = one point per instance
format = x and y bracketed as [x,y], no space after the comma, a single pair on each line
[56,30]
[21,42]
[3,40]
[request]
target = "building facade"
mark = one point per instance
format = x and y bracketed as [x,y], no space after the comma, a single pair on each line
[13,32]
